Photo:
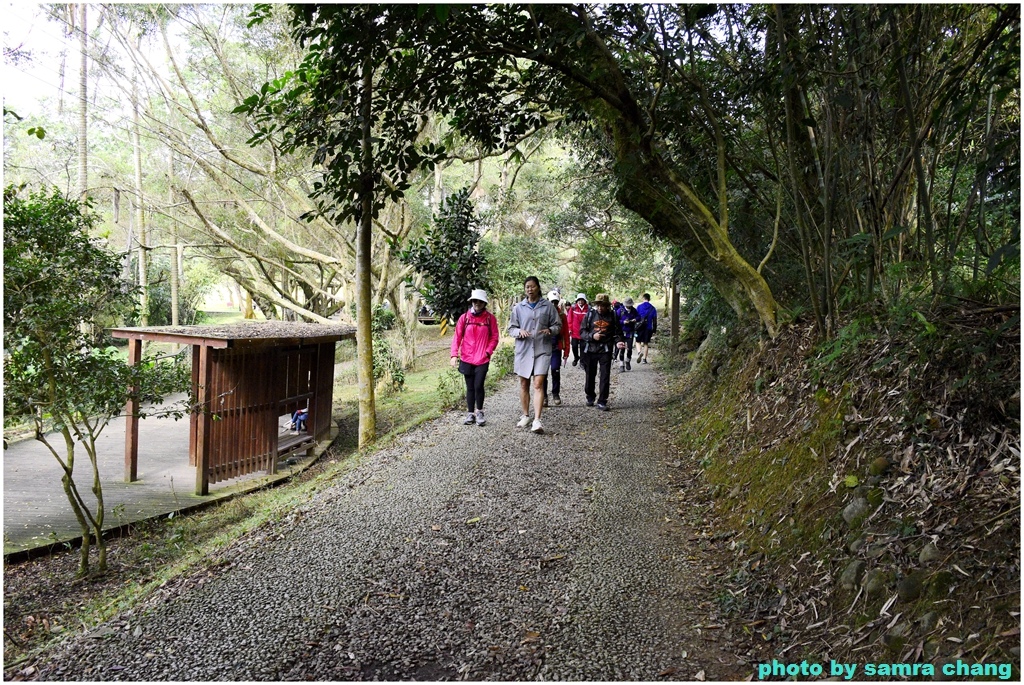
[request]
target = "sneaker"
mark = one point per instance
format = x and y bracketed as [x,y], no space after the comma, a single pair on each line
[645,359]
[480,420]
[602,407]
[622,366]
[556,399]
[524,421]
[628,367]
[590,403]
[537,428]
[470,419]
[575,362]
[545,400]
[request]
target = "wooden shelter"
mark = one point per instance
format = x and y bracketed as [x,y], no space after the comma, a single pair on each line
[245,377]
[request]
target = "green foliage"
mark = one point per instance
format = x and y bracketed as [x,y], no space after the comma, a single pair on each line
[450,388]
[448,257]
[502,364]
[701,306]
[622,266]
[383,318]
[198,282]
[512,258]
[387,367]
[56,280]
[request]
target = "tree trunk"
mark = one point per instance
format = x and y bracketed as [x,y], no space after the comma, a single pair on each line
[175,264]
[923,196]
[650,187]
[140,217]
[674,316]
[83,108]
[364,308]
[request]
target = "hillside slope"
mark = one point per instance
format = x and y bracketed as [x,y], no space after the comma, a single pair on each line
[868,488]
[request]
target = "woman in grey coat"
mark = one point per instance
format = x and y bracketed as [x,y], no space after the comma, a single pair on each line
[534,324]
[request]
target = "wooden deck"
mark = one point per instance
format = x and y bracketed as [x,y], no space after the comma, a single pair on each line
[36,512]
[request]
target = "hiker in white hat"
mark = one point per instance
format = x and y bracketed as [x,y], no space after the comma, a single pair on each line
[476,337]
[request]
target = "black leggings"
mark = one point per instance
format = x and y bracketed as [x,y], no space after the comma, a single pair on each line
[475,376]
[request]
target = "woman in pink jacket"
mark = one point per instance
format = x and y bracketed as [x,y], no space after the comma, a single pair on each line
[476,337]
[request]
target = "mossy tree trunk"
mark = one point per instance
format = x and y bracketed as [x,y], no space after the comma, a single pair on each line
[364,313]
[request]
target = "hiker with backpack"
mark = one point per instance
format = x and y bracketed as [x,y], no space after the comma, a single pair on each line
[629,318]
[646,329]
[474,341]
[600,334]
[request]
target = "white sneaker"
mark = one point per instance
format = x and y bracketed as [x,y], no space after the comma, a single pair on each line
[537,428]
[480,420]
[524,421]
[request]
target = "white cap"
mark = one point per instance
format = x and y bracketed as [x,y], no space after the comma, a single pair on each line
[478,294]
[581,296]
[554,296]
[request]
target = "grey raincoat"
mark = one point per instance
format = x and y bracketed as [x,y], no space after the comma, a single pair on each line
[544,315]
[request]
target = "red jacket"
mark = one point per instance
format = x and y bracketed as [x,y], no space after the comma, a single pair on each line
[562,340]
[476,336]
[575,317]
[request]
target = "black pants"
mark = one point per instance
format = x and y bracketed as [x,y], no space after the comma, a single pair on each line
[555,374]
[627,353]
[575,344]
[593,363]
[475,377]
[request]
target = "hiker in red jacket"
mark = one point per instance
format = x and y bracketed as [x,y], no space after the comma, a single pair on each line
[476,337]
[575,317]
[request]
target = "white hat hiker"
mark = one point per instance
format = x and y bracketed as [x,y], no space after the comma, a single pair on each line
[478,294]
[581,296]
[554,296]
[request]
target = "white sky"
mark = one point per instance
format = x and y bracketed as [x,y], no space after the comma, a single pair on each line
[26,25]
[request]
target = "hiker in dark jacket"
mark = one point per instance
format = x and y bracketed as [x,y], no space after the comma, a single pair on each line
[600,334]
[629,317]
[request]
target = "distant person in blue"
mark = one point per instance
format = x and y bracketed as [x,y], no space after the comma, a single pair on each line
[629,318]
[646,329]
[299,417]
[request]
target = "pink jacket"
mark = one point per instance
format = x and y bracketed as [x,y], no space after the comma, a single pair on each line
[476,336]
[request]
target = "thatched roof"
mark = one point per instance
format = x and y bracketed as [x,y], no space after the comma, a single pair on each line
[243,332]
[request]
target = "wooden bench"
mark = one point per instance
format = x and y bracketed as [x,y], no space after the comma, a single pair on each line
[288,445]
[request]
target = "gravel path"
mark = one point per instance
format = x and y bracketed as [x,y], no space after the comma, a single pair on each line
[460,552]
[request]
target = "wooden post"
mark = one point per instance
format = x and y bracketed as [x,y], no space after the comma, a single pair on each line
[675,316]
[193,418]
[203,424]
[131,419]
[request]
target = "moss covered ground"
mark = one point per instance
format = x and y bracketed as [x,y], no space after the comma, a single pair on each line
[866,488]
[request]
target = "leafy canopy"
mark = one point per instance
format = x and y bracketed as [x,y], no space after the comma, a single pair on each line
[418,66]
